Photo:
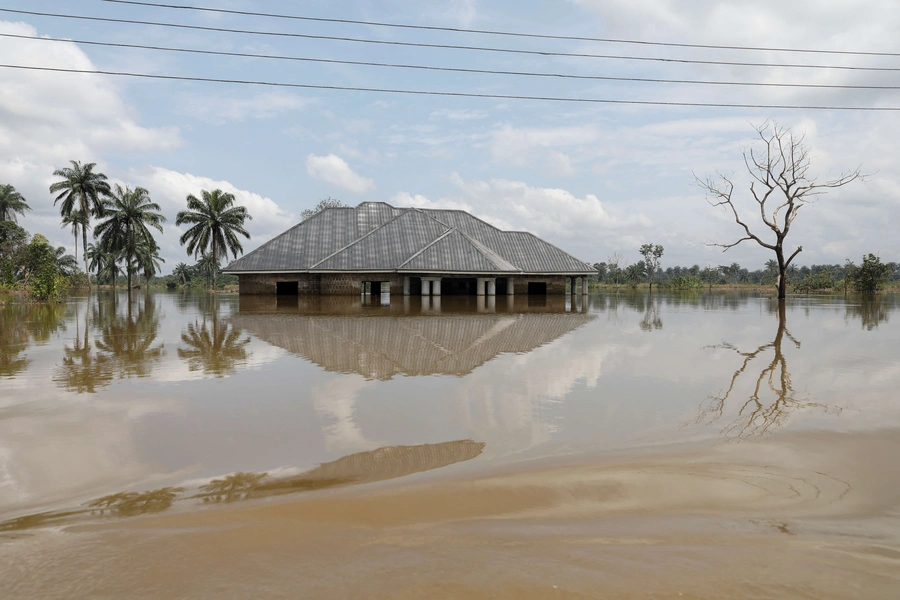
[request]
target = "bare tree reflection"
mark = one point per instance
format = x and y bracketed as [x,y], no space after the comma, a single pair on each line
[215,349]
[773,397]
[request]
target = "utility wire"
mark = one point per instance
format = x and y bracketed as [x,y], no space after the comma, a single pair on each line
[442,46]
[451,69]
[494,32]
[453,94]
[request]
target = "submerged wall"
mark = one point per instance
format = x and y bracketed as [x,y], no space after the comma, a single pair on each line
[351,284]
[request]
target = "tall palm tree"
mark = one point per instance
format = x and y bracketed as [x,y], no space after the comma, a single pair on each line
[77,220]
[215,223]
[11,202]
[83,190]
[129,216]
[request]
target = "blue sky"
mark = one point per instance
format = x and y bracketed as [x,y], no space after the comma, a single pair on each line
[593,179]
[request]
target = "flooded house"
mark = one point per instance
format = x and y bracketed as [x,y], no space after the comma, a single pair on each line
[375,247]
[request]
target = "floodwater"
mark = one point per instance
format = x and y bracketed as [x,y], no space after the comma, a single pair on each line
[704,445]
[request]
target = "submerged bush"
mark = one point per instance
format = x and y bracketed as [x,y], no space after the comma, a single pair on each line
[685,282]
[813,283]
[870,276]
[42,277]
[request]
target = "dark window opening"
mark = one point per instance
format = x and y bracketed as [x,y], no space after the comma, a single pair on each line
[287,288]
[415,286]
[537,288]
[459,286]
[501,287]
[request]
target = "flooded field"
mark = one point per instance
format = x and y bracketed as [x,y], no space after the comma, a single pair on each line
[704,445]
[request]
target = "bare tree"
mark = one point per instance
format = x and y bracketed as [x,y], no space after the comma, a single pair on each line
[779,165]
[328,202]
[614,264]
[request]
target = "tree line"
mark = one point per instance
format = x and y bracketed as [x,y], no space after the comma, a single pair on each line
[123,222]
[869,276]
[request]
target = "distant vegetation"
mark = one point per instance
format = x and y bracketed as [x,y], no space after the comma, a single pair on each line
[870,276]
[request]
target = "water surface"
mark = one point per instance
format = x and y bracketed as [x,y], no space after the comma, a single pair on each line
[599,439]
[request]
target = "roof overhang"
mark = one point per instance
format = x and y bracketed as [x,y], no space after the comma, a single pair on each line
[413,272]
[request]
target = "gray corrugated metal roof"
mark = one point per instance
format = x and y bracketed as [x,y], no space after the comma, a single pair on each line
[376,236]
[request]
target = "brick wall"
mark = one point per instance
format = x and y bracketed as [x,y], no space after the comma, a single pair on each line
[316,284]
[556,284]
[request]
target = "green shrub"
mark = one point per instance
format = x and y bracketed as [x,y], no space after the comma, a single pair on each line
[43,280]
[685,282]
[813,283]
[870,276]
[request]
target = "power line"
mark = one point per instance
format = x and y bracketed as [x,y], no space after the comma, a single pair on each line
[496,32]
[452,94]
[445,46]
[451,69]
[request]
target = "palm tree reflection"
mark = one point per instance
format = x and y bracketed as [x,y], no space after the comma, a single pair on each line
[215,349]
[131,504]
[773,397]
[233,487]
[123,346]
[363,467]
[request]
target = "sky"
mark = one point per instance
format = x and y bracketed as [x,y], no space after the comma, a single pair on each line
[595,179]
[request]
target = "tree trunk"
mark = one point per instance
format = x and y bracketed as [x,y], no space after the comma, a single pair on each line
[84,245]
[215,265]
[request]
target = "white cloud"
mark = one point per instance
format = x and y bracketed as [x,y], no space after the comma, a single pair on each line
[521,147]
[48,119]
[334,170]
[222,109]
[557,215]
[458,115]
[463,12]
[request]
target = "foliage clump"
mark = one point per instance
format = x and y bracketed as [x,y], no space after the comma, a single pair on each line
[869,277]
[41,274]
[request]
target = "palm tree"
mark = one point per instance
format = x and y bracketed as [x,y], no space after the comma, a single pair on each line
[147,259]
[182,273]
[66,264]
[77,220]
[103,262]
[125,229]
[215,223]
[83,190]
[11,202]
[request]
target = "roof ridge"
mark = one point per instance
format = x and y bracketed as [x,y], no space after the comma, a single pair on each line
[465,212]
[359,239]
[491,256]
[430,244]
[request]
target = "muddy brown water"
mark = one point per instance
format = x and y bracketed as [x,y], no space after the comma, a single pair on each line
[703,445]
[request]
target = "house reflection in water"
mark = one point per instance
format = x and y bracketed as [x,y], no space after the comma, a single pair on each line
[414,337]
